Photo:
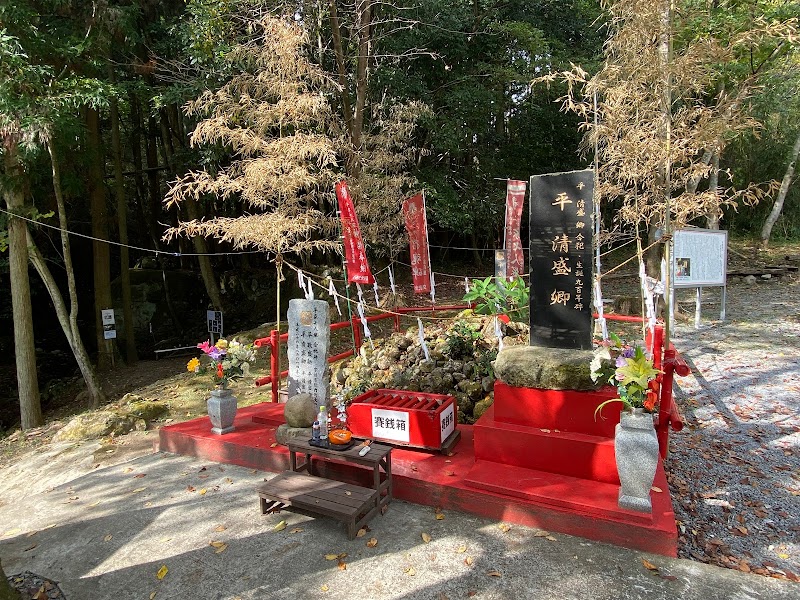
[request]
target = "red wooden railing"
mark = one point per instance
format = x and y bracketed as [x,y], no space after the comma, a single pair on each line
[275,339]
[667,360]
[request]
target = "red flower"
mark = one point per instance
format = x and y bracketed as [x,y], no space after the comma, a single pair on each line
[220,371]
[650,401]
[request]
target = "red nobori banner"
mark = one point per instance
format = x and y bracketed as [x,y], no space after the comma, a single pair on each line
[417,227]
[354,251]
[515,198]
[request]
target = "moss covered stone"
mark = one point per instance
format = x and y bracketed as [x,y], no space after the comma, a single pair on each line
[545,368]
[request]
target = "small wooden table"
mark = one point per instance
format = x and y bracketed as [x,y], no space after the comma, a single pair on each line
[306,494]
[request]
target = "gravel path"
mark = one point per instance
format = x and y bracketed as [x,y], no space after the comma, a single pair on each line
[734,470]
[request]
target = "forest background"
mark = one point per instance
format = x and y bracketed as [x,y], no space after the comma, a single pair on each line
[202,139]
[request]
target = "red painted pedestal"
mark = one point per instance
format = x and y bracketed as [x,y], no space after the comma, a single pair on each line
[545,446]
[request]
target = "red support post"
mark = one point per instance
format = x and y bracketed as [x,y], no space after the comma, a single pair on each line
[275,376]
[354,323]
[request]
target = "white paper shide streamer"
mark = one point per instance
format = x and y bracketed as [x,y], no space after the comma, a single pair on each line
[367,332]
[466,285]
[375,289]
[598,305]
[391,279]
[334,294]
[301,280]
[309,289]
[498,331]
[360,293]
[422,339]
[433,286]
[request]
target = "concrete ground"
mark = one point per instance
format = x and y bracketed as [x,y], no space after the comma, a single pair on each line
[105,522]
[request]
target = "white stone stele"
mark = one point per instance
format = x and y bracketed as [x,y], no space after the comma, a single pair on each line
[636,451]
[222,410]
[309,340]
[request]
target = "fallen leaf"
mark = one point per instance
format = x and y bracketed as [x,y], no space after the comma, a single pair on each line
[324,587]
[162,572]
[220,546]
[108,538]
[551,538]
[31,534]
[450,473]
[331,556]
[656,489]
[494,573]
[461,549]
[190,488]
[648,565]
[128,470]
[541,533]
[93,504]
[348,493]
[504,527]
[296,530]
[202,492]
[273,444]
[372,542]
[280,526]
[342,565]
[361,533]
[153,595]
[220,528]
[201,469]
[468,561]
[229,480]
[426,537]
[410,571]
[29,548]
[139,476]
[783,555]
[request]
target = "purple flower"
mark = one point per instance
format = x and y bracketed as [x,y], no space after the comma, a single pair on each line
[215,353]
[621,361]
[628,352]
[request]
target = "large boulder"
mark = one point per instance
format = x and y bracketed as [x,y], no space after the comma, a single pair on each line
[546,368]
[300,411]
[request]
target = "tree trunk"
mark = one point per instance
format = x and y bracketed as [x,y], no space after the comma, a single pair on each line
[131,356]
[101,252]
[24,345]
[6,591]
[193,212]
[766,231]
[69,322]
[143,205]
[340,68]
[364,10]
[713,217]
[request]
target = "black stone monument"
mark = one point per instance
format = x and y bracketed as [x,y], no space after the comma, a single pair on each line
[561,210]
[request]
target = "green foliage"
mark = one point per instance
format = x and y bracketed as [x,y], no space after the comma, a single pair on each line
[461,339]
[483,361]
[491,297]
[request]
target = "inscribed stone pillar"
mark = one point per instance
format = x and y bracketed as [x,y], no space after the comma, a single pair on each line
[561,259]
[309,339]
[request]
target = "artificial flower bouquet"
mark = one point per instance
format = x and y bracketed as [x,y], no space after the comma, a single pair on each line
[630,369]
[227,360]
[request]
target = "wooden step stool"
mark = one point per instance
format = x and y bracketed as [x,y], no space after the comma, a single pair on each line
[315,496]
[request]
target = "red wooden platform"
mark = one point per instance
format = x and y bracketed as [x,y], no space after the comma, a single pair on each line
[559,502]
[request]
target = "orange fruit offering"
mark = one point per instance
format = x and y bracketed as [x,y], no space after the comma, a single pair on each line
[339,436]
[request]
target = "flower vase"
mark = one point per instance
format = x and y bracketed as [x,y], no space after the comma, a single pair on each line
[636,450]
[222,410]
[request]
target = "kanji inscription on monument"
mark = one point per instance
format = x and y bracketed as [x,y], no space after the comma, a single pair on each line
[561,211]
[309,338]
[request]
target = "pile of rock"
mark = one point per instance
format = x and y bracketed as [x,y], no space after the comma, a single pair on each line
[460,363]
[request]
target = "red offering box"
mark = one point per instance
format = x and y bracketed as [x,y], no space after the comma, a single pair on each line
[405,418]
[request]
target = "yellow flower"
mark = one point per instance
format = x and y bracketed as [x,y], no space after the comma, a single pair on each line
[193,365]
[222,344]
